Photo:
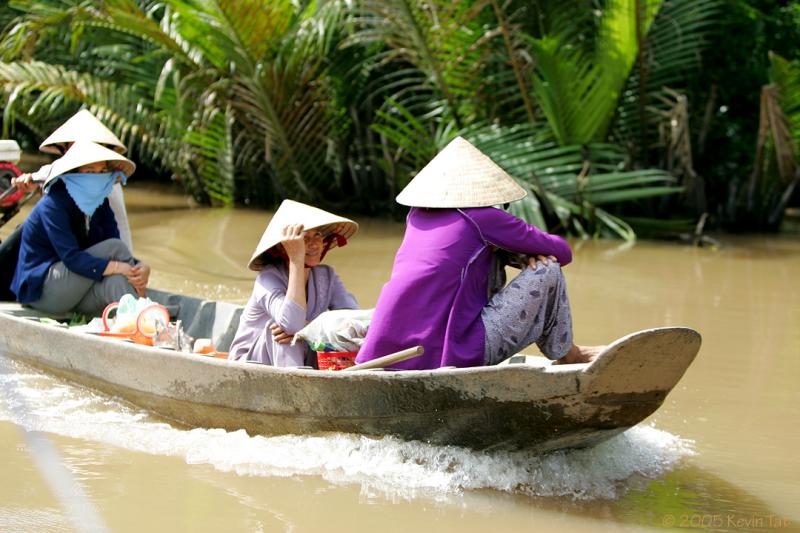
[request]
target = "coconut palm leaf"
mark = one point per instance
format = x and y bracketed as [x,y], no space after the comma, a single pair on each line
[579,92]
[785,75]
[672,50]
[255,100]
[214,139]
[46,88]
[572,180]
[438,37]
[215,52]
[508,94]
[776,172]
[126,104]
[279,92]
[528,152]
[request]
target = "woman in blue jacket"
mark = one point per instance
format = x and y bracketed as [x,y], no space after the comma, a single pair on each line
[71,257]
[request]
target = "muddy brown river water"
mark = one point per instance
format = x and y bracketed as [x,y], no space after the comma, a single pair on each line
[721,454]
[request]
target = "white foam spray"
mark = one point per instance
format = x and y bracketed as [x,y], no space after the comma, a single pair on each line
[381,466]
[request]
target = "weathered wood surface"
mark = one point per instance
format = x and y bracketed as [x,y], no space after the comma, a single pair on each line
[532,406]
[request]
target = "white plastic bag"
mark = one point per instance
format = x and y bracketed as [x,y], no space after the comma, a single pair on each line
[342,330]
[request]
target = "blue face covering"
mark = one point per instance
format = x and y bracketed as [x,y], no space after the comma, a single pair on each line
[89,189]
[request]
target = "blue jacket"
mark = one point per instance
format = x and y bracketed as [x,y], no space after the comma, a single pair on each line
[55,231]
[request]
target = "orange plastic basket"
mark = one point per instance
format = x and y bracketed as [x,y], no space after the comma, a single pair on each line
[336,360]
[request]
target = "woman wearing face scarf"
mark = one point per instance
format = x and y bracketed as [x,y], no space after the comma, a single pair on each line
[71,257]
[82,126]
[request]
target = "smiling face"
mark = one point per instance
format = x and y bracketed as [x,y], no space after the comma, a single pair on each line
[314,245]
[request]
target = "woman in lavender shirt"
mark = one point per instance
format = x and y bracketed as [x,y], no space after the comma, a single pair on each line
[292,287]
[438,295]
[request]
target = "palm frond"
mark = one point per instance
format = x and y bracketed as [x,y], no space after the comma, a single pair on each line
[785,75]
[672,52]
[579,92]
[438,37]
[213,138]
[570,182]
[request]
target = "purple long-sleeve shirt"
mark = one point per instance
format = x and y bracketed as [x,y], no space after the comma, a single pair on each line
[268,305]
[439,284]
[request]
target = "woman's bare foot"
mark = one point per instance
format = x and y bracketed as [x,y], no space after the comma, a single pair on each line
[580,354]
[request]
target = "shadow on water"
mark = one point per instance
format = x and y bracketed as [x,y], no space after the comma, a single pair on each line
[694,498]
[688,497]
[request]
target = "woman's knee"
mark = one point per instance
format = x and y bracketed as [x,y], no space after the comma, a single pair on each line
[111,249]
[550,273]
[117,246]
[118,285]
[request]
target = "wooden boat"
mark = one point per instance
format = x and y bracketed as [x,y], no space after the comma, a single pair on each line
[525,403]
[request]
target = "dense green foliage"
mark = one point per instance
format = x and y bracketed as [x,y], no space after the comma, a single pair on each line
[614,114]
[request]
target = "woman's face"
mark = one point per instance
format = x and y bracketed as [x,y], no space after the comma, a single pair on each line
[314,245]
[97,167]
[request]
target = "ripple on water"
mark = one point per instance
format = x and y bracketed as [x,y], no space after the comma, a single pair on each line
[380,465]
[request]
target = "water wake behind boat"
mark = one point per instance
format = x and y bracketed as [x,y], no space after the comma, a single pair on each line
[381,466]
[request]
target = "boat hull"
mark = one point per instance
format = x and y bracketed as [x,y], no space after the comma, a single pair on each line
[515,406]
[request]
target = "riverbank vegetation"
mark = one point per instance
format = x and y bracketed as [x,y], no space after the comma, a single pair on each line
[618,116]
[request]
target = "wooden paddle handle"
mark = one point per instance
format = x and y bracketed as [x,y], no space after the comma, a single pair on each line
[381,362]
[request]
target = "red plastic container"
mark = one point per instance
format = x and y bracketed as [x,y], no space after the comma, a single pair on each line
[336,360]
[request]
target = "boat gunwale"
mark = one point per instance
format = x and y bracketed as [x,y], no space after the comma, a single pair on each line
[250,366]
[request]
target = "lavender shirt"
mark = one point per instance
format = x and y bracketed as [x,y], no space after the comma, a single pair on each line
[439,284]
[268,305]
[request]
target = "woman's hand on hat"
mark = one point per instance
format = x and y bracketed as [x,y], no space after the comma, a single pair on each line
[293,243]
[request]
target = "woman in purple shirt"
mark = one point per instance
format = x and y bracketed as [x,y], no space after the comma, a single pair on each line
[438,295]
[292,287]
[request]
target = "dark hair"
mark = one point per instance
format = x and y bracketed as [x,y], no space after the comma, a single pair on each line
[277,256]
[269,258]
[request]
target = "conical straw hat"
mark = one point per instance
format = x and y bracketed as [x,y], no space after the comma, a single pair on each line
[86,152]
[291,212]
[460,176]
[82,126]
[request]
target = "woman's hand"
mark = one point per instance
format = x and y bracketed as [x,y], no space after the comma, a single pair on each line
[139,276]
[280,336]
[293,243]
[117,267]
[534,260]
[24,182]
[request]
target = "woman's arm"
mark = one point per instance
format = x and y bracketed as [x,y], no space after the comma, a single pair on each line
[295,248]
[340,298]
[286,319]
[284,312]
[138,274]
[511,233]
[56,222]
